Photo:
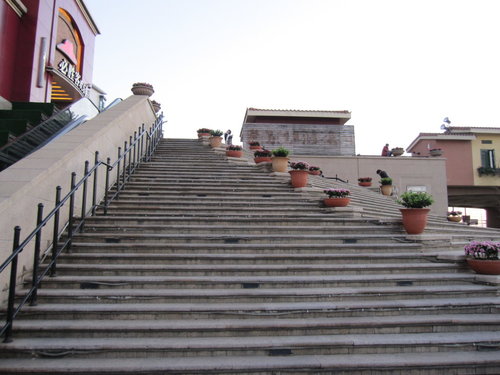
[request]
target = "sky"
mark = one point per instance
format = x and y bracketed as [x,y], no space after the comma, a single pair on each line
[399,66]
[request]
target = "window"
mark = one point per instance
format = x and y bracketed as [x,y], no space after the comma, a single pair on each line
[486,142]
[488,158]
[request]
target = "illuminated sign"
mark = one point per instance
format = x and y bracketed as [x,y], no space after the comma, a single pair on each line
[72,74]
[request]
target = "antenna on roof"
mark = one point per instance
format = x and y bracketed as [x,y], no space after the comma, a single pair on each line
[444,127]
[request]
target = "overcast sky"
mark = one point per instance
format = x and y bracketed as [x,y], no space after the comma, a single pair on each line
[399,66]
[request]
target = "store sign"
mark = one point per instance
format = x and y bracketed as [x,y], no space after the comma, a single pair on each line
[73,75]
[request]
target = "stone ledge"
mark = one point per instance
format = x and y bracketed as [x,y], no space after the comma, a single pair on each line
[348,211]
[488,279]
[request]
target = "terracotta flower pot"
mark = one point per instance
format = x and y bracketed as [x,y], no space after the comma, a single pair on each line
[386,189]
[280,164]
[234,153]
[215,141]
[414,219]
[262,159]
[365,184]
[485,266]
[299,178]
[142,90]
[255,147]
[455,219]
[336,202]
[200,135]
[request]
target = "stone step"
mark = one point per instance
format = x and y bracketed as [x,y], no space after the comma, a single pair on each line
[229,247]
[76,257]
[252,269]
[251,346]
[257,327]
[269,239]
[258,281]
[423,363]
[257,295]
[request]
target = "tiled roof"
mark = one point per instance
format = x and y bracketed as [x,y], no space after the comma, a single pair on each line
[295,110]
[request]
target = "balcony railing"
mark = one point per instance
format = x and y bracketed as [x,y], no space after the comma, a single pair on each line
[487,171]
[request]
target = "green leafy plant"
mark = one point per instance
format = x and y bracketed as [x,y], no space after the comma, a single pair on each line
[300,165]
[366,179]
[386,181]
[204,130]
[415,199]
[337,193]
[281,152]
[487,171]
[254,143]
[216,133]
[233,148]
[313,168]
[482,250]
[454,213]
[262,154]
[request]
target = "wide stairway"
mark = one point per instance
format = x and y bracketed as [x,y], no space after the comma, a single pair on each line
[212,266]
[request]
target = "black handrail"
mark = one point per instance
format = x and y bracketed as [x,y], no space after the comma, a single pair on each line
[134,153]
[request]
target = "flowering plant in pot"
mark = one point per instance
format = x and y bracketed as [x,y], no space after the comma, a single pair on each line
[455,216]
[254,145]
[415,211]
[386,185]
[436,152]
[482,257]
[299,173]
[337,197]
[234,151]
[262,155]
[142,88]
[397,151]
[216,138]
[365,181]
[156,105]
[280,159]
[203,131]
[314,170]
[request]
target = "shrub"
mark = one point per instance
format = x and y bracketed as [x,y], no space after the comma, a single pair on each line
[254,143]
[482,250]
[386,181]
[233,148]
[415,199]
[262,154]
[337,193]
[299,165]
[366,179]
[216,133]
[281,152]
[313,168]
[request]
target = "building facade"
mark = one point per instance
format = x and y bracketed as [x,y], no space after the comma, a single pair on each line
[472,166]
[46,51]
[302,132]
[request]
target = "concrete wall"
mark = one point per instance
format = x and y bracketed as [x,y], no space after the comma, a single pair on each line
[34,179]
[406,172]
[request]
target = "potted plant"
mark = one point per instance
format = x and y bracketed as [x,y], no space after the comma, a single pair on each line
[234,151]
[142,88]
[455,216]
[299,174]
[482,257]
[386,185]
[204,132]
[156,105]
[397,151]
[280,159]
[314,170]
[435,152]
[415,211]
[365,181]
[254,145]
[337,197]
[216,138]
[263,155]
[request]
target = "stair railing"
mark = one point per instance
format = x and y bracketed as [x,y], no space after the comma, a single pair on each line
[140,148]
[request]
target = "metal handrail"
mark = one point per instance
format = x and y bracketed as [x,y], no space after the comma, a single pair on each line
[140,148]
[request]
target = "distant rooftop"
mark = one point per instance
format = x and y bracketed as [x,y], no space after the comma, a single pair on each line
[273,115]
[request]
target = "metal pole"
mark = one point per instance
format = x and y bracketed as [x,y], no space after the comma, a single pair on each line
[55,234]
[118,173]
[71,219]
[94,187]
[12,287]
[106,188]
[84,195]
[36,256]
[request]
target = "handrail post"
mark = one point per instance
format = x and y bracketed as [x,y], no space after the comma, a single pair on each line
[106,188]
[55,234]
[124,163]
[135,150]
[94,187]
[129,158]
[84,195]
[12,287]
[36,256]
[142,143]
[118,173]
[71,218]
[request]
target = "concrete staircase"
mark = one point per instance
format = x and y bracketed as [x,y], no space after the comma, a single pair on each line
[213,266]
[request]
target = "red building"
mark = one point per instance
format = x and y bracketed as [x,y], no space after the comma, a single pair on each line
[46,50]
